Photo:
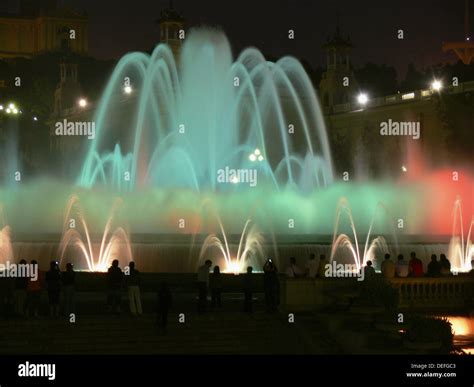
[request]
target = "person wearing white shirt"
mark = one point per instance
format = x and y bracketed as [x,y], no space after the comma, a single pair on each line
[312,266]
[293,271]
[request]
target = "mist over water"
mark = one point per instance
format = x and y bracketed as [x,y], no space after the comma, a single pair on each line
[161,151]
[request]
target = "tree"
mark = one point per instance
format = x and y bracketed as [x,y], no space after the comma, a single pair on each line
[378,80]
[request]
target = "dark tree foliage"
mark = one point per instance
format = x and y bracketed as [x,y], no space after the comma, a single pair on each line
[377,80]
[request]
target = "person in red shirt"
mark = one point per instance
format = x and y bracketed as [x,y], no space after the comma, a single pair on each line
[415,266]
[33,291]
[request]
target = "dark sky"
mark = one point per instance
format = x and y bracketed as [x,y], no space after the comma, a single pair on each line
[119,26]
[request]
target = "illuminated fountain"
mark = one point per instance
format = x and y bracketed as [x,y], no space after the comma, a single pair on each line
[115,245]
[213,113]
[250,247]
[342,244]
[161,144]
[461,248]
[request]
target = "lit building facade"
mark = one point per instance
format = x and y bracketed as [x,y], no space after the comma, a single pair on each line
[42,26]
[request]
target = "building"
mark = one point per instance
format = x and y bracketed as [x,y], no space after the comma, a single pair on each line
[338,84]
[42,26]
[172,24]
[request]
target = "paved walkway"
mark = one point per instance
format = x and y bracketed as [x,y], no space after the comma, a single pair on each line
[213,333]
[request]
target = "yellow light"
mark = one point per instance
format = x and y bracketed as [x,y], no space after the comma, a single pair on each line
[234,267]
[436,85]
[11,106]
[82,102]
[128,89]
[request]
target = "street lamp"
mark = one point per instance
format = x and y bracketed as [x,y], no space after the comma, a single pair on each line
[362,99]
[82,102]
[437,85]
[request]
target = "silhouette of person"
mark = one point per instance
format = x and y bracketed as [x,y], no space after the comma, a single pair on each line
[271,285]
[215,284]
[19,294]
[434,268]
[53,285]
[445,265]
[133,286]
[33,292]
[248,290]
[69,282]
[164,302]
[415,266]
[115,282]
[388,267]
[203,284]
[369,271]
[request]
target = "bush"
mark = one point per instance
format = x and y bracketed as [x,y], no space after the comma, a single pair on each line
[431,329]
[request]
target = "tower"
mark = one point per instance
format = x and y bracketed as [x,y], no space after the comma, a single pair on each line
[338,83]
[171,26]
[68,90]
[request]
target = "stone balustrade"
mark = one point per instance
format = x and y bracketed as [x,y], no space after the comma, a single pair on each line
[447,292]
[455,291]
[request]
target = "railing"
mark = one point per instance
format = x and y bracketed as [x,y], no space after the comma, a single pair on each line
[416,95]
[448,292]
[453,291]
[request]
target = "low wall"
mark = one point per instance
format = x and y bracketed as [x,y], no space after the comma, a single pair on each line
[447,292]
[300,294]
[455,291]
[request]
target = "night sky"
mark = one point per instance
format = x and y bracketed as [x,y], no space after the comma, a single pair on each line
[117,27]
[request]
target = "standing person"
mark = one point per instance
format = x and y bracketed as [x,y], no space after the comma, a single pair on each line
[415,266]
[445,265]
[33,292]
[388,267]
[369,271]
[203,284]
[216,288]
[322,266]
[402,270]
[248,290]
[271,286]
[53,285]
[312,266]
[114,282]
[293,270]
[19,293]
[434,268]
[133,286]
[164,302]
[69,283]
